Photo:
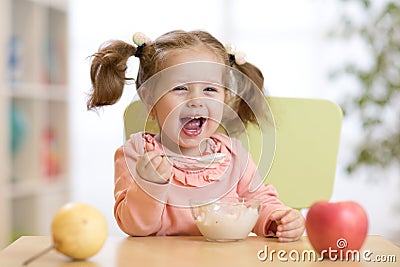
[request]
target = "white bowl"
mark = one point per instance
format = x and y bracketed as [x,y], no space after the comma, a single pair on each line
[227,219]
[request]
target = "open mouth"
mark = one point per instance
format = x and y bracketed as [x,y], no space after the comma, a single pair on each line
[192,126]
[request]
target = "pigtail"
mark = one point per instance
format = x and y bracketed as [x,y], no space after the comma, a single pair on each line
[107,73]
[246,110]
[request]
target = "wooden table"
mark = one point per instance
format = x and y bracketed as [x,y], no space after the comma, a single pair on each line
[189,251]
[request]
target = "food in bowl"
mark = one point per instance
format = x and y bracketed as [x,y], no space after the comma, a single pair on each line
[227,219]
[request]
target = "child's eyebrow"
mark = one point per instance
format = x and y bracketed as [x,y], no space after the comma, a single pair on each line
[173,84]
[209,82]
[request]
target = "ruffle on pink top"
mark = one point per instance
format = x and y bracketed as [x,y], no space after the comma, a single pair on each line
[203,176]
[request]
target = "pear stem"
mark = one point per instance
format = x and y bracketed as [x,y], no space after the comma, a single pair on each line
[38,255]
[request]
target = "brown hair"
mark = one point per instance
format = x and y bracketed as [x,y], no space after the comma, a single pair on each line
[108,66]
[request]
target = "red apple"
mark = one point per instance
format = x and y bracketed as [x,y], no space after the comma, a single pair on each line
[336,227]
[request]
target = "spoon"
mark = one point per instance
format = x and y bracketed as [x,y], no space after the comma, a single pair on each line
[210,158]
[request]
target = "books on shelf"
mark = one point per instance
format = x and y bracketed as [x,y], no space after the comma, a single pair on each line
[50,154]
[38,53]
[17,128]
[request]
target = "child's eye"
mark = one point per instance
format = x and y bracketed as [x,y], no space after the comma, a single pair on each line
[179,88]
[210,89]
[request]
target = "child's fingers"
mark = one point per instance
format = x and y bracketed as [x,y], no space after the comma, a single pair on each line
[155,162]
[292,230]
[146,162]
[152,167]
[149,147]
[297,223]
[291,235]
[291,216]
[277,215]
[290,224]
[165,168]
[149,157]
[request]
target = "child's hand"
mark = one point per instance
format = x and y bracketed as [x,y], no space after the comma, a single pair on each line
[154,168]
[289,224]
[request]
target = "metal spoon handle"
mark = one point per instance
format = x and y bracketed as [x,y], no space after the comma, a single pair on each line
[210,158]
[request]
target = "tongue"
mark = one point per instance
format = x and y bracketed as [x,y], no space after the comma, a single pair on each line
[192,124]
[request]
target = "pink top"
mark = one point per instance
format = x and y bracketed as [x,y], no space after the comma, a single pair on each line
[144,208]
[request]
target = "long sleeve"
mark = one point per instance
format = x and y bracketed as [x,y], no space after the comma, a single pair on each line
[141,207]
[136,213]
[251,186]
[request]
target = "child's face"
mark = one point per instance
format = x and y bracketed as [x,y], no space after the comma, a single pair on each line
[190,112]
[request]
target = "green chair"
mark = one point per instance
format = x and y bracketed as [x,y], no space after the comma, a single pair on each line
[307,133]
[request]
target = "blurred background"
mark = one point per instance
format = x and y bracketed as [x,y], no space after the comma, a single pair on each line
[53,150]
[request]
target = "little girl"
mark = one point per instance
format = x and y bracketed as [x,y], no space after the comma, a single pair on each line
[183,80]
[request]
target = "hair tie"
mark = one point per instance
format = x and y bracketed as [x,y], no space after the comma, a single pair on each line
[140,40]
[237,57]
[231,59]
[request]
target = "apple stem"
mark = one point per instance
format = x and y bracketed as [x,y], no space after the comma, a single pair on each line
[38,255]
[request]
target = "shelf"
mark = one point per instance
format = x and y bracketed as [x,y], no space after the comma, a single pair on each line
[48,92]
[61,5]
[27,188]
[34,93]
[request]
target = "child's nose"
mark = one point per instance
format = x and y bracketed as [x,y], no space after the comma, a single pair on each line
[194,102]
[195,97]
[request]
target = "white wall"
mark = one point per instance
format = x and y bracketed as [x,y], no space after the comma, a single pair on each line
[286,39]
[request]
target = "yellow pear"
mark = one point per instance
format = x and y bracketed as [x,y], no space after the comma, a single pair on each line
[78,230]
